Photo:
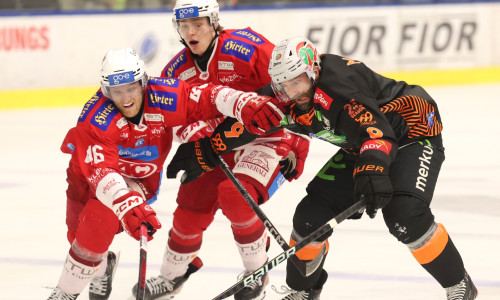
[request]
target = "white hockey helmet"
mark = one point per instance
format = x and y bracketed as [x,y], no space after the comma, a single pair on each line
[120,67]
[289,59]
[187,9]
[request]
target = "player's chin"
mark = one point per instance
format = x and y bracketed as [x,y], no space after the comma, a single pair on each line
[130,111]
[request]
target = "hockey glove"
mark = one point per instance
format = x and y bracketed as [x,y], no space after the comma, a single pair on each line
[260,114]
[294,149]
[376,190]
[131,210]
[195,158]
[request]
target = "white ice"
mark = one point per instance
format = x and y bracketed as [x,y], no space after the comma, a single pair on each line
[365,261]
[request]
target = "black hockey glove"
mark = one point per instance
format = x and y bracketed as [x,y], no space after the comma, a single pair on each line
[195,158]
[375,189]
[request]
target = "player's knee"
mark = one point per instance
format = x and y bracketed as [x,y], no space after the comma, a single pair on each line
[308,217]
[81,253]
[407,218]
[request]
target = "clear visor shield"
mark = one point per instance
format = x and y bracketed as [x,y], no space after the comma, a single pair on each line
[293,88]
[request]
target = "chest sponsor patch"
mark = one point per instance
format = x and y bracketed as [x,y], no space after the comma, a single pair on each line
[226,65]
[164,100]
[104,115]
[227,78]
[238,49]
[249,35]
[323,99]
[189,73]
[136,169]
[147,153]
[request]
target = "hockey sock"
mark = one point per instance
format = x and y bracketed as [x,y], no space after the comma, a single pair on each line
[175,264]
[76,274]
[101,268]
[253,254]
[438,255]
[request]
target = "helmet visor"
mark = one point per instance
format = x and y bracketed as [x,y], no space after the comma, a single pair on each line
[292,89]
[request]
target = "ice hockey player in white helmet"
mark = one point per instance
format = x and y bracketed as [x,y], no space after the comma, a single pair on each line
[391,152]
[237,58]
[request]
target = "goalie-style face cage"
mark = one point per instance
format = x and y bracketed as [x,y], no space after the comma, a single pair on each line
[121,67]
[290,59]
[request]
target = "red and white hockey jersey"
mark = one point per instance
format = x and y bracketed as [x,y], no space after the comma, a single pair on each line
[104,141]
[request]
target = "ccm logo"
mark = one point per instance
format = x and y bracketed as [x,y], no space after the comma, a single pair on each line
[128,203]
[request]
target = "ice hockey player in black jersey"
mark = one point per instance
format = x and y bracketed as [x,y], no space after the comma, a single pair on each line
[391,151]
[391,154]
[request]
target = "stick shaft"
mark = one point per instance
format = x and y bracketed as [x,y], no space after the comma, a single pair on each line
[141,284]
[288,253]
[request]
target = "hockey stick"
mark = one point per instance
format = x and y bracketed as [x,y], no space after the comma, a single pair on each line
[141,285]
[262,216]
[294,249]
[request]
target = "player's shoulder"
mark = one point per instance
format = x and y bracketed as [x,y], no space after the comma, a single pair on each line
[163,93]
[247,35]
[178,62]
[99,114]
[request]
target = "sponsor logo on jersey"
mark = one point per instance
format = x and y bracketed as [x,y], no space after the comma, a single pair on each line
[249,35]
[104,115]
[172,82]
[121,123]
[147,153]
[323,99]
[164,100]
[176,64]
[226,65]
[191,72]
[153,117]
[187,12]
[88,106]
[229,78]
[354,108]
[136,169]
[139,143]
[121,78]
[238,49]
[376,145]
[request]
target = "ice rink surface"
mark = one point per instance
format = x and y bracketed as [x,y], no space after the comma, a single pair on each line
[365,261]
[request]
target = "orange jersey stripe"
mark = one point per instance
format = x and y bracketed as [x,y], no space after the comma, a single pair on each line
[310,251]
[433,248]
[415,111]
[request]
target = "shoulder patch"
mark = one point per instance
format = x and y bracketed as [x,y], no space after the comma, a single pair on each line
[175,64]
[170,82]
[164,100]
[239,49]
[104,115]
[248,35]
[89,106]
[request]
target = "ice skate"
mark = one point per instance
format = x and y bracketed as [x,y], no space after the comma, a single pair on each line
[57,294]
[161,288]
[255,289]
[100,287]
[464,290]
[311,294]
